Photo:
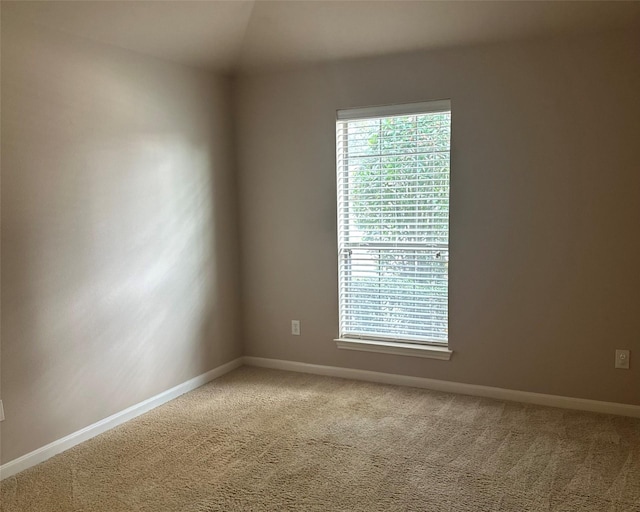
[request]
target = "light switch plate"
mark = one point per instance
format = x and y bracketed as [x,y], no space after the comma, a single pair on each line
[1,411]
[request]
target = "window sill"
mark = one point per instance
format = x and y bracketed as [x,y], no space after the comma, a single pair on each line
[399,349]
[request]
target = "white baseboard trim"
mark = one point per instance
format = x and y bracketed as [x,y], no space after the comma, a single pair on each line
[511,395]
[41,454]
[56,447]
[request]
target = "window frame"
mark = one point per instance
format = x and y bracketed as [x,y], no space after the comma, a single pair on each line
[391,344]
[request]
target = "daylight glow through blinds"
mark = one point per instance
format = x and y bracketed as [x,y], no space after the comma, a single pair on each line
[393,222]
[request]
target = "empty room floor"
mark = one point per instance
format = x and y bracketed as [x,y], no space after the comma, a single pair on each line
[265,440]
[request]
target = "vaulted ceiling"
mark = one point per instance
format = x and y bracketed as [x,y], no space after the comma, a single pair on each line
[241,35]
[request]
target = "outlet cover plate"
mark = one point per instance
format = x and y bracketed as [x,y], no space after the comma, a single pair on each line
[622,359]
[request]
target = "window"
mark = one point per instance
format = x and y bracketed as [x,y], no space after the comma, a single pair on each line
[393,224]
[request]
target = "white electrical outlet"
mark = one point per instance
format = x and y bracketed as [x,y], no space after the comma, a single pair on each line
[622,359]
[295,327]
[1,411]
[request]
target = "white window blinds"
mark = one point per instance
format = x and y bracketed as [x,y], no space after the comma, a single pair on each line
[393,221]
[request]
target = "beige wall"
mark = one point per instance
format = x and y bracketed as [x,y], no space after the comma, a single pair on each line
[118,231]
[545,243]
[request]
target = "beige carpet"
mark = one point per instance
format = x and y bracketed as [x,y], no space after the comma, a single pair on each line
[261,440]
